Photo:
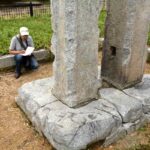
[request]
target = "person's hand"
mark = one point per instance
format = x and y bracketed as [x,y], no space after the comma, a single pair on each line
[22,52]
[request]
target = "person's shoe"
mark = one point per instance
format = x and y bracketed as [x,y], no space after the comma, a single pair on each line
[17,75]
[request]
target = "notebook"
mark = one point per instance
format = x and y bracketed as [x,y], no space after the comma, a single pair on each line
[28,51]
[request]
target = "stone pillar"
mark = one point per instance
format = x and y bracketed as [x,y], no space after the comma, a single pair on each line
[75,46]
[125,44]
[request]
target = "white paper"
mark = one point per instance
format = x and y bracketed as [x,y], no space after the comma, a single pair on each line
[28,51]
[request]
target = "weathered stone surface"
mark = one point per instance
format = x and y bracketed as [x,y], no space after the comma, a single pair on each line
[30,98]
[130,127]
[88,116]
[125,45]
[148,117]
[66,128]
[141,92]
[114,136]
[76,128]
[128,107]
[75,46]
[106,119]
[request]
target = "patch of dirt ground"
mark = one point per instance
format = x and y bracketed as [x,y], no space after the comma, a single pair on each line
[17,133]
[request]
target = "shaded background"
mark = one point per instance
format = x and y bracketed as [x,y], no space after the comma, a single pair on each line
[13,1]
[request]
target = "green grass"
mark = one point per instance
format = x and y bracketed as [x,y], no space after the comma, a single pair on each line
[140,147]
[39,27]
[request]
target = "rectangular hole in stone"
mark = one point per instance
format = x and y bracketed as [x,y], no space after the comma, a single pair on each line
[113,50]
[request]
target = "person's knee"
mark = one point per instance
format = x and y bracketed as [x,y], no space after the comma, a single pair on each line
[18,57]
[34,65]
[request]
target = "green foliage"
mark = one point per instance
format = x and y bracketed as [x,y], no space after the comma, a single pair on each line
[101,22]
[39,27]
[143,129]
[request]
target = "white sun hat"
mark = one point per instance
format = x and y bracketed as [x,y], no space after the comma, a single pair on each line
[24,31]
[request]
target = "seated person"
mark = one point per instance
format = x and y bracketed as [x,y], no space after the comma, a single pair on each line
[18,46]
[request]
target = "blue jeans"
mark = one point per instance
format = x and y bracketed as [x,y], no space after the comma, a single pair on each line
[25,61]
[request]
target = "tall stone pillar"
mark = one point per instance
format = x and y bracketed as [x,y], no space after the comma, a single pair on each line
[75,46]
[125,44]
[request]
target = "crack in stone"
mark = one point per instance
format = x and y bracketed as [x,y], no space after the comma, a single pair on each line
[131,96]
[55,140]
[40,107]
[135,99]
[76,132]
[61,117]
[109,112]
[62,143]
[115,108]
[44,124]
[46,118]
[49,103]
[113,116]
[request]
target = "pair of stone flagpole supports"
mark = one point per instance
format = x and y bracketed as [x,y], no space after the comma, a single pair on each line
[114,113]
[75,45]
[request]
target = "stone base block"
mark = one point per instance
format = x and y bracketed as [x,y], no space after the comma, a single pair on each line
[107,119]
